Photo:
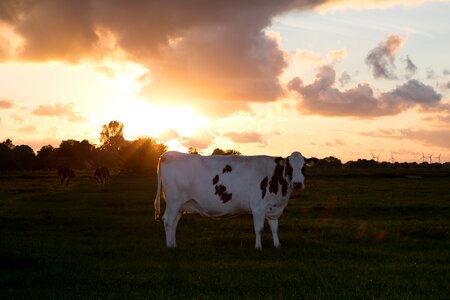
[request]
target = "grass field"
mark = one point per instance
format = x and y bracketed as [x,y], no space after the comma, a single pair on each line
[343,237]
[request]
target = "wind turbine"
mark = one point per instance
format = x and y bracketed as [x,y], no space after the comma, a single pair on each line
[423,158]
[392,159]
[377,158]
[439,158]
[431,158]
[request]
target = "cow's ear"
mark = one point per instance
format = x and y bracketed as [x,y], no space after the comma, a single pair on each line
[311,161]
[280,161]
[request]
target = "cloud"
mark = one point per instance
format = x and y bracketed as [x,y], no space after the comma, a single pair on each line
[446,72]
[214,50]
[321,97]
[6,103]
[245,137]
[410,68]
[27,129]
[440,138]
[168,134]
[307,56]
[217,51]
[17,118]
[345,78]
[431,74]
[369,4]
[201,139]
[336,55]
[381,58]
[336,142]
[65,111]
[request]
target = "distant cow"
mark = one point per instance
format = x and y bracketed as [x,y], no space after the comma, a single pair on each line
[223,186]
[65,174]
[101,175]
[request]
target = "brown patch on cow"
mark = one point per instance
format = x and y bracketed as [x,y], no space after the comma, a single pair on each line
[226,197]
[263,186]
[215,179]
[278,178]
[222,192]
[220,189]
[227,169]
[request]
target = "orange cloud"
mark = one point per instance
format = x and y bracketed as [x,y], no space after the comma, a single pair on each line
[6,103]
[61,110]
[217,51]
[246,137]
[28,129]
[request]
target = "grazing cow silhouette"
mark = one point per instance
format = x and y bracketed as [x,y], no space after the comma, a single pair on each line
[101,175]
[65,174]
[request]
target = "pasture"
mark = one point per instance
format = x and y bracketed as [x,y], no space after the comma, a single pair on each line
[364,236]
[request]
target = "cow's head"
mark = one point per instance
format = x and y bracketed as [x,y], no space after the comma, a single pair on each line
[295,168]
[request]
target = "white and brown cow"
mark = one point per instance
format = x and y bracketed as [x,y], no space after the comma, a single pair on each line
[223,186]
[65,174]
[102,175]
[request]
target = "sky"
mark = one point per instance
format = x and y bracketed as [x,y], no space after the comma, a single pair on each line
[343,78]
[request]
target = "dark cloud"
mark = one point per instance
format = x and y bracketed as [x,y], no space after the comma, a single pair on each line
[66,111]
[6,103]
[321,97]
[382,58]
[345,78]
[214,50]
[446,72]
[410,68]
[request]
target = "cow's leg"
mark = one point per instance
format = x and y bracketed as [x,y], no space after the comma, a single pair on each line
[170,218]
[174,229]
[258,223]
[274,228]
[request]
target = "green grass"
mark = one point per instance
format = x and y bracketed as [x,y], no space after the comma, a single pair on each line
[343,237]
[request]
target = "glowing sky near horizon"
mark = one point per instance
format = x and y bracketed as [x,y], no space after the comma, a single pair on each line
[332,80]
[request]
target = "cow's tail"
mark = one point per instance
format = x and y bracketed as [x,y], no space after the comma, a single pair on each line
[158,192]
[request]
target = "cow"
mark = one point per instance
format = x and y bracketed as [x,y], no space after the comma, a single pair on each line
[101,175]
[65,174]
[224,186]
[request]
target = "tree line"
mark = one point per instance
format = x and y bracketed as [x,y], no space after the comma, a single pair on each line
[139,155]
[114,152]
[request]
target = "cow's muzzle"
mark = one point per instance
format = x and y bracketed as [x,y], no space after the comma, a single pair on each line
[298,185]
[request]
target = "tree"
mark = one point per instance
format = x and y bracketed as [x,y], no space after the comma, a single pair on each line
[193,150]
[219,151]
[111,135]
[6,155]
[23,157]
[330,162]
[141,155]
[75,154]
[45,158]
